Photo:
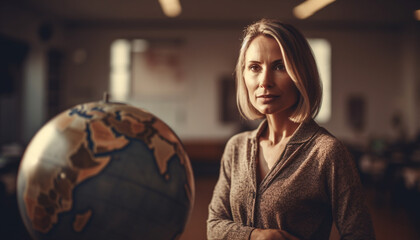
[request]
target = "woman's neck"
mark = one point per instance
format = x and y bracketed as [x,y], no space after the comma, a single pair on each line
[279,129]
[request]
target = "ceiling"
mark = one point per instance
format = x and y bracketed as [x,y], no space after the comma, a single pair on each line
[396,12]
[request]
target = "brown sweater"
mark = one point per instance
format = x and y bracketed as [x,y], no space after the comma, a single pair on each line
[314,183]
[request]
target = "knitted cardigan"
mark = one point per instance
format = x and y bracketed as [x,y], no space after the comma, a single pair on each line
[314,183]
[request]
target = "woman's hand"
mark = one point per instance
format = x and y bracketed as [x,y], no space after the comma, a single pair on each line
[271,234]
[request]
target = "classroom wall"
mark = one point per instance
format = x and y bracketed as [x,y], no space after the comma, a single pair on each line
[24,111]
[377,64]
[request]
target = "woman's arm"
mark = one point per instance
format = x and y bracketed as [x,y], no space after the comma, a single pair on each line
[271,234]
[349,210]
[220,224]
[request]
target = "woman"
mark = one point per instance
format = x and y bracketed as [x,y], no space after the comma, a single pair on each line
[289,178]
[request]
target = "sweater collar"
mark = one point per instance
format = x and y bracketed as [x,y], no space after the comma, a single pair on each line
[303,133]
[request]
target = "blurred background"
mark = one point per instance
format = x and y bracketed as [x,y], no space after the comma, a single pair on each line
[177,60]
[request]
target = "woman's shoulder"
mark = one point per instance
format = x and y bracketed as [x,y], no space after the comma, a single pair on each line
[248,135]
[326,138]
[329,144]
[240,138]
[334,158]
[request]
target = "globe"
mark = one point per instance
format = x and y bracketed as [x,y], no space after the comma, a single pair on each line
[105,170]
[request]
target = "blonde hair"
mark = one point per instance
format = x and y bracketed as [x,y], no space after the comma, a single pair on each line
[300,65]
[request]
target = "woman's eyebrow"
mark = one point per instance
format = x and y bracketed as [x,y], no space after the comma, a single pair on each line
[253,61]
[278,61]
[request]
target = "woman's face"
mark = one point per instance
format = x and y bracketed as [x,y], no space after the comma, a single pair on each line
[270,88]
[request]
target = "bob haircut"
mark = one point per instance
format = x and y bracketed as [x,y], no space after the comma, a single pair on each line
[300,65]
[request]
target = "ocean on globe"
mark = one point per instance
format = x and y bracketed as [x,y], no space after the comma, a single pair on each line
[105,170]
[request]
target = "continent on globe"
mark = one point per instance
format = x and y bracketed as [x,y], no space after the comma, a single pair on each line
[81,220]
[79,144]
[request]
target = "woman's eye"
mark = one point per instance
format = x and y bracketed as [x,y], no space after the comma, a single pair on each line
[254,68]
[279,67]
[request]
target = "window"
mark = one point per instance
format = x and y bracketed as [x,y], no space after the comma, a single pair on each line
[124,51]
[120,70]
[322,52]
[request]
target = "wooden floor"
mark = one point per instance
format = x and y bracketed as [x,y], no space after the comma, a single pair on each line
[390,222]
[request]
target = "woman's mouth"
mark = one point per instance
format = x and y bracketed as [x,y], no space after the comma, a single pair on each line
[267,98]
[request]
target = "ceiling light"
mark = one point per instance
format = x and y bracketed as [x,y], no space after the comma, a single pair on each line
[171,8]
[309,7]
[417,14]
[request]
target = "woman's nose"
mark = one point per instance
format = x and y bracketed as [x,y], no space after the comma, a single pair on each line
[266,80]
